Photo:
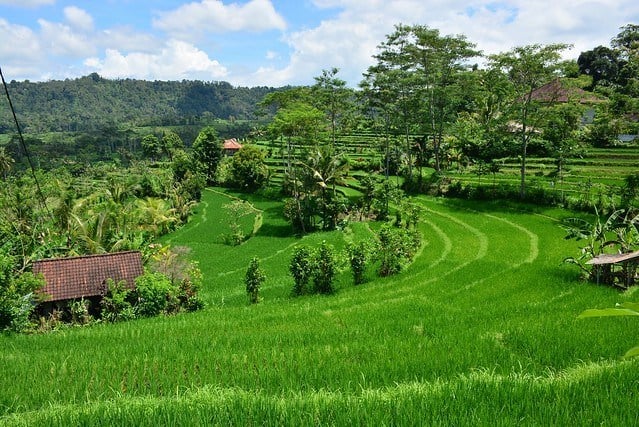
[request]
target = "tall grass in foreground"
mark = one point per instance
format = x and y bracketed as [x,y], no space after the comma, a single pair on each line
[480,329]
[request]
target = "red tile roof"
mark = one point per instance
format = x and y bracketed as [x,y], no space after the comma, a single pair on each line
[86,276]
[232,144]
[557,91]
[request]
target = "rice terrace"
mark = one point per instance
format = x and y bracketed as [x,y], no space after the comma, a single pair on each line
[480,328]
[454,242]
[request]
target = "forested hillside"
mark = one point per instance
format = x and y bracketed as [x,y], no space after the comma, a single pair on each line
[90,103]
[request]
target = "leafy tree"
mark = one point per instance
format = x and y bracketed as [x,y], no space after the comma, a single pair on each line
[602,64]
[171,141]
[561,131]
[320,174]
[249,169]
[439,62]
[332,96]
[151,147]
[253,280]
[527,67]
[236,210]
[207,151]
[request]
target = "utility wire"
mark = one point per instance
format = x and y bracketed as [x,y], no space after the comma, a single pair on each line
[24,146]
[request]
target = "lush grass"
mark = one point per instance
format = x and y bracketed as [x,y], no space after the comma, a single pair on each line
[480,329]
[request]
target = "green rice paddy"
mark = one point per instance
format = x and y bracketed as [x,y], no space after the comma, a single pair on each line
[481,329]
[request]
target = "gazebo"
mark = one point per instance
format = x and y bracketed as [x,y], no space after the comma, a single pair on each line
[231,146]
[616,269]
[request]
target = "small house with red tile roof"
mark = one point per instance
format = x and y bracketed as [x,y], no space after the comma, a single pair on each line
[87,276]
[231,146]
[558,91]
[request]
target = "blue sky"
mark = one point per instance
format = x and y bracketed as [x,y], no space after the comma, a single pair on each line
[271,42]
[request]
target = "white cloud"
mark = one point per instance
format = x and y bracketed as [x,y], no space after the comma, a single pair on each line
[20,44]
[63,41]
[127,39]
[213,16]
[176,60]
[348,40]
[78,18]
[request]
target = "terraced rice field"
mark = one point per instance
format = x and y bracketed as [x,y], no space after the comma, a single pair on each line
[480,329]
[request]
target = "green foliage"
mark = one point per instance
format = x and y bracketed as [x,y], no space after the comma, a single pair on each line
[324,269]
[116,306]
[17,296]
[358,254]
[623,309]
[224,172]
[183,273]
[254,280]
[79,310]
[396,247]
[91,102]
[235,211]
[301,268]
[207,151]
[151,146]
[248,168]
[155,294]
[630,191]
[618,233]
[313,266]
[171,142]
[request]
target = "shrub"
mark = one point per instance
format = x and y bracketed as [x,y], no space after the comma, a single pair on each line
[155,294]
[115,306]
[396,247]
[324,269]
[358,257]
[253,280]
[301,268]
[79,310]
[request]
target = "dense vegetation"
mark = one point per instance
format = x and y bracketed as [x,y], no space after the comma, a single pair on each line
[93,103]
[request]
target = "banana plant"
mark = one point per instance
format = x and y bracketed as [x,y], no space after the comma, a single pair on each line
[623,309]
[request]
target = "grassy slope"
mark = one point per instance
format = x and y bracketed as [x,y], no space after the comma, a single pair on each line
[480,329]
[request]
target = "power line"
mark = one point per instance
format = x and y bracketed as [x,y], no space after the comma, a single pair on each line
[24,146]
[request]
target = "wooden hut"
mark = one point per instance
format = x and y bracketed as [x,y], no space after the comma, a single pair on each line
[615,269]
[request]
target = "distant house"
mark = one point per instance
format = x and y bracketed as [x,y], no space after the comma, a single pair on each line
[557,91]
[231,146]
[87,276]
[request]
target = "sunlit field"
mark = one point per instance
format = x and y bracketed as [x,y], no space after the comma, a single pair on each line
[481,329]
